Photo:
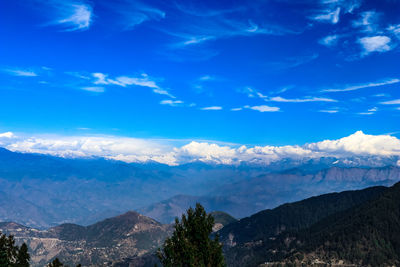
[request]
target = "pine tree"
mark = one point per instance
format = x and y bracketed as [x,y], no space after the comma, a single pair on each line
[55,263]
[22,256]
[3,258]
[190,245]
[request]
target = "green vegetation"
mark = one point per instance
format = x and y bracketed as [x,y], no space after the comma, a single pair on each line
[368,235]
[256,236]
[12,255]
[190,245]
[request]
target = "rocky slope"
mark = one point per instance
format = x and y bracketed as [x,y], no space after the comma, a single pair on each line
[100,244]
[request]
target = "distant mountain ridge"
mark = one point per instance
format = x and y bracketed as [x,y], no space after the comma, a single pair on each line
[250,195]
[45,191]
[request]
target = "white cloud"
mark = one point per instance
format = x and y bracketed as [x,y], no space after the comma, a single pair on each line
[95,89]
[329,10]
[207,78]
[77,75]
[331,16]
[394,29]
[170,102]
[143,80]
[368,21]
[298,100]
[236,109]
[359,144]
[370,111]
[7,135]
[381,95]
[292,62]
[251,92]
[330,40]
[163,151]
[332,111]
[391,102]
[362,86]
[74,15]
[263,108]
[212,108]
[21,72]
[134,13]
[375,44]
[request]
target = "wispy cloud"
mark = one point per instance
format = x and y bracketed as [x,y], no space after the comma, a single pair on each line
[212,108]
[300,100]
[211,25]
[394,29]
[368,21]
[78,75]
[381,95]
[391,102]
[143,80]
[329,11]
[331,111]
[375,44]
[207,78]
[251,92]
[362,86]
[330,40]
[331,16]
[134,13]
[263,108]
[370,111]
[292,62]
[172,103]
[21,72]
[95,89]
[72,15]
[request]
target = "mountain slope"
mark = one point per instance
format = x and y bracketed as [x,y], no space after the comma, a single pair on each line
[100,244]
[368,235]
[245,241]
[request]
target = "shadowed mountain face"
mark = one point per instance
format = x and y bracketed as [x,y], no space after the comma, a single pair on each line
[329,227]
[368,234]
[45,191]
[100,244]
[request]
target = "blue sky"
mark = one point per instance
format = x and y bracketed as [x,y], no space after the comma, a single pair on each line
[245,72]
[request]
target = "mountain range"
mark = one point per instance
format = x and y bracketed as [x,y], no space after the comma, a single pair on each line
[351,228]
[46,191]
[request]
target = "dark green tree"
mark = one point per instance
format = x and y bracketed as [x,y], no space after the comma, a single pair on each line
[4,262]
[190,245]
[11,255]
[56,263]
[23,257]
[8,249]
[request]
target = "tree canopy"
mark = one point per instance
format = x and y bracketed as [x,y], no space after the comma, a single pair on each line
[190,245]
[12,255]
